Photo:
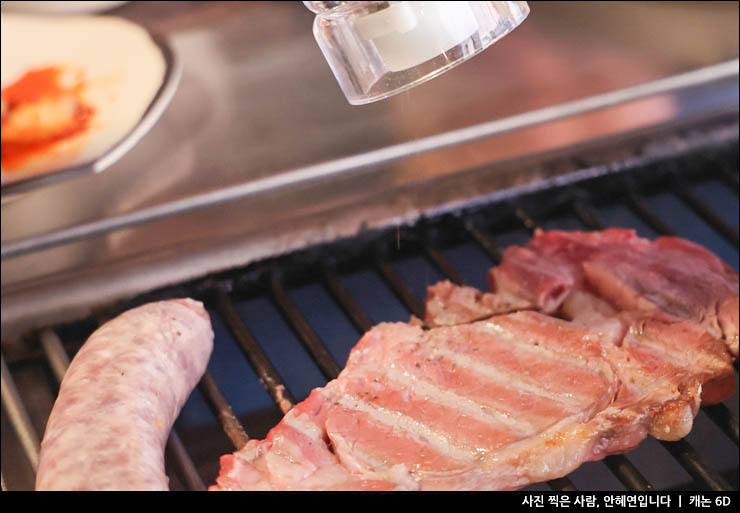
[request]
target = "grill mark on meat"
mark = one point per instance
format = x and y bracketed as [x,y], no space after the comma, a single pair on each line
[517,404]
[537,409]
[308,428]
[538,349]
[311,433]
[457,403]
[420,432]
[554,335]
[524,360]
[682,359]
[570,400]
[439,441]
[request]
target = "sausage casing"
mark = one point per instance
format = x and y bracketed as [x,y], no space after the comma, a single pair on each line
[120,397]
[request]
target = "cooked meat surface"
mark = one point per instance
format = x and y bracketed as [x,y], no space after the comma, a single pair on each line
[496,404]
[120,396]
[448,304]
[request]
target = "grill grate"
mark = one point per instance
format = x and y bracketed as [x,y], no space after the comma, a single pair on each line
[327,296]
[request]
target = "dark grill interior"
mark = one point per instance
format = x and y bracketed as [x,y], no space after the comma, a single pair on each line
[286,325]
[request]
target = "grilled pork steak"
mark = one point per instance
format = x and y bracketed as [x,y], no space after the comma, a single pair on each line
[496,404]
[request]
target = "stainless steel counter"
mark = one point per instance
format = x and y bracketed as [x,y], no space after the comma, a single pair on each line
[257,101]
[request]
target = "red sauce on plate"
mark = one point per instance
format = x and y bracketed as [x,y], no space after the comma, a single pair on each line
[40,111]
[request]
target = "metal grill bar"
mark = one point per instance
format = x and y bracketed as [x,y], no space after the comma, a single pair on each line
[55,353]
[627,473]
[445,267]
[361,321]
[19,416]
[644,213]
[266,372]
[586,215]
[305,333]
[690,460]
[529,223]
[222,410]
[705,212]
[487,243]
[730,178]
[184,465]
[410,301]
[562,484]
[723,417]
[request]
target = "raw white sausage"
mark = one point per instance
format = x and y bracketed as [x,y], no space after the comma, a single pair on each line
[121,395]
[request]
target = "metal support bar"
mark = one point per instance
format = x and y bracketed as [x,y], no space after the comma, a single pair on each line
[723,417]
[410,301]
[306,334]
[690,460]
[706,213]
[266,372]
[361,321]
[222,410]
[19,418]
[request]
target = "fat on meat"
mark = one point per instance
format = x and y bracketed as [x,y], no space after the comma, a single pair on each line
[120,396]
[448,304]
[491,405]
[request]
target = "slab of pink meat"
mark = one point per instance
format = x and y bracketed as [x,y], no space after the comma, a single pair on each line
[630,273]
[491,405]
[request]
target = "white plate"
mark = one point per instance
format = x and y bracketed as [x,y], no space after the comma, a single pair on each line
[60,7]
[116,150]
